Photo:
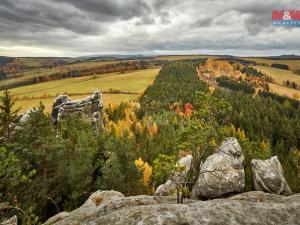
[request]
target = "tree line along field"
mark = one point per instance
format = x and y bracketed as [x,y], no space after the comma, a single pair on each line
[134,82]
[30,70]
[293,64]
[25,70]
[181,57]
[279,76]
[284,91]
[47,92]
[35,62]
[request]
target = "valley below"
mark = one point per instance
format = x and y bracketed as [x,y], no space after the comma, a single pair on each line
[161,140]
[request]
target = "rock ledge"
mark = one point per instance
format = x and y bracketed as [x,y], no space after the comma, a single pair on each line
[247,208]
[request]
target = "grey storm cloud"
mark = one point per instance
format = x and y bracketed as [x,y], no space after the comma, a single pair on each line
[203,22]
[77,16]
[78,27]
[110,9]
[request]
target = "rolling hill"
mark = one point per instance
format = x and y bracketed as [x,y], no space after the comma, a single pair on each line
[134,83]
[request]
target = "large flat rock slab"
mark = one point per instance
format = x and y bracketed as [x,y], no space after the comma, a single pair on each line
[243,209]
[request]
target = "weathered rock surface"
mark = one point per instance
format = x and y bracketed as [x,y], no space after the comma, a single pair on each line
[11,221]
[25,117]
[243,209]
[87,209]
[185,162]
[222,173]
[268,176]
[168,188]
[89,108]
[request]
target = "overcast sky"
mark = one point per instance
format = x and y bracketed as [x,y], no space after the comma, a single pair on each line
[84,27]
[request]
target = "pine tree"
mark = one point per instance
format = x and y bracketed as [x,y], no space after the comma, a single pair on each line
[82,145]
[41,150]
[10,174]
[119,171]
[8,115]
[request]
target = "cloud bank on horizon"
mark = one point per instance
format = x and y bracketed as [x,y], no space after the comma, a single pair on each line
[77,27]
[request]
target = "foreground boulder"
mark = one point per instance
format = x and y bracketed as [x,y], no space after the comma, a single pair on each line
[87,209]
[222,173]
[247,208]
[89,108]
[268,176]
[169,188]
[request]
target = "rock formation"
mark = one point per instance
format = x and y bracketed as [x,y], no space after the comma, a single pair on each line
[248,208]
[23,119]
[268,176]
[26,115]
[168,188]
[222,173]
[89,108]
[11,221]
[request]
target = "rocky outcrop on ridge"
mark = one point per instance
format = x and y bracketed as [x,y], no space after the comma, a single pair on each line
[89,108]
[268,176]
[222,173]
[243,209]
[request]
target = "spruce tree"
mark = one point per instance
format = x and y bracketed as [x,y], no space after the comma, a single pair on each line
[41,150]
[8,115]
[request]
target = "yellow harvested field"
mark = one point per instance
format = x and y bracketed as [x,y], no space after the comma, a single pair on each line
[285,91]
[135,82]
[279,75]
[37,72]
[23,76]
